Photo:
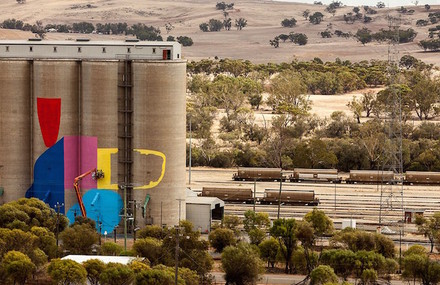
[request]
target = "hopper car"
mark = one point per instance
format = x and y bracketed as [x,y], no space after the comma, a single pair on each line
[290,197]
[421,177]
[237,195]
[333,176]
[259,173]
[245,195]
[369,176]
[315,175]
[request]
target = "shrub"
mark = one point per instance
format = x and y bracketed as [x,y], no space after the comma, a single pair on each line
[221,238]
[185,41]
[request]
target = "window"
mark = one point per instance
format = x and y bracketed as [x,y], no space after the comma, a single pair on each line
[7,48]
[128,50]
[103,50]
[31,49]
[79,49]
[178,55]
[54,49]
[154,50]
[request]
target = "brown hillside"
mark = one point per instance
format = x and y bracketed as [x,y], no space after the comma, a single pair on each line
[264,18]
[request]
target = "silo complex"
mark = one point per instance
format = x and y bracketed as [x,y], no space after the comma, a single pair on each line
[71,107]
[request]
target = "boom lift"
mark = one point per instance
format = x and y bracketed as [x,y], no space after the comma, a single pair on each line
[96,174]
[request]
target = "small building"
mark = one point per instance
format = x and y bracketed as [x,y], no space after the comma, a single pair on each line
[200,211]
[410,215]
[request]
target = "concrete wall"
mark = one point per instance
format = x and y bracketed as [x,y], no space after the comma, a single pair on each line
[87,134]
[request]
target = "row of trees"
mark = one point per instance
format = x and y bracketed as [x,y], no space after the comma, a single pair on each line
[294,137]
[364,35]
[297,244]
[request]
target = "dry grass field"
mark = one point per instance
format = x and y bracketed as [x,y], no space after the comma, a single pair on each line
[252,43]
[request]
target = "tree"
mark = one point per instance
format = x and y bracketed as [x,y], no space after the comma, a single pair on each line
[240,23]
[26,213]
[153,231]
[287,94]
[364,35]
[284,231]
[418,266]
[306,14]
[288,23]
[323,274]
[66,272]
[46,241]
[204,27]
[356,107]
[149,248]
[342,261]
[268,251]
[116,274]
[169,27]
[241,264]
[185,41]
[368,102]
[298,38]
[221,238]
[316,18]
[427,7]
[429,227]
[227,23]
[111,248]
[275,42]
[79,239]
[94,268]
[17,266]
[423,97]
[320,222]
[256,224]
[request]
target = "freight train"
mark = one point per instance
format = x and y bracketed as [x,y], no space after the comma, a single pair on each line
[334,176]
[271,196]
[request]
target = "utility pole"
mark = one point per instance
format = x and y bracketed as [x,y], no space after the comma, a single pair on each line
[176,270]
[58,207]
[279,194]
[255,190]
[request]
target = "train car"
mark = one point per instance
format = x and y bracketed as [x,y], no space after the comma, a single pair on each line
[315,175]
[290,197]
[370,176]
[422,177]
[259,174]
[237,195]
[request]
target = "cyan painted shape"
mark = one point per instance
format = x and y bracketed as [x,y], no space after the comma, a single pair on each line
[101,206]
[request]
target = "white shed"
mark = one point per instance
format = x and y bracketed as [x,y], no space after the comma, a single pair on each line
[200,211]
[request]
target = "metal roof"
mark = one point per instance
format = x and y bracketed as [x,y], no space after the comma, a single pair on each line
[106,259]
[205,201]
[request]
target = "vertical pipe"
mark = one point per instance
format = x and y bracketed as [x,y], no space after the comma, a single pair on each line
[190,150]
[31,118]
[80,171]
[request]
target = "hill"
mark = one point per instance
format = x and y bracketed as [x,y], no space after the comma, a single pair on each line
[252,43]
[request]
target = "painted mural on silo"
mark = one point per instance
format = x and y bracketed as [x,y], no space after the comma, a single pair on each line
[66,157]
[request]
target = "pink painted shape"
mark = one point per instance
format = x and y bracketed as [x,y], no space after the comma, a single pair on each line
[80,155]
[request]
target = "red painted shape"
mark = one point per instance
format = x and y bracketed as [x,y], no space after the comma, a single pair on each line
[49,114]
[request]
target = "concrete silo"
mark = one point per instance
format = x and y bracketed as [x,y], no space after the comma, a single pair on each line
[70,106]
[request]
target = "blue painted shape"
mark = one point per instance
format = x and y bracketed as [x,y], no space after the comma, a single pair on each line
[101,206]
[48,182]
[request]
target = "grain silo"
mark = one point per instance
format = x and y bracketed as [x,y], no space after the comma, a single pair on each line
[67,107]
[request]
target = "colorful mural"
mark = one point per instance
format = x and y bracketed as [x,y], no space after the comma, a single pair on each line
[56,169]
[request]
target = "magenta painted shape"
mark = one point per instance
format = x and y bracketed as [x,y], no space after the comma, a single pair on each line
[80,156]
[49,116]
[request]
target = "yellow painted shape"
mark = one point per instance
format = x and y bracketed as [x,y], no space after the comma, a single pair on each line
[153,184]
[105,164]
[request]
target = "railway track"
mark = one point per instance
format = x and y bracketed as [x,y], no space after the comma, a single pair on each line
[353,201]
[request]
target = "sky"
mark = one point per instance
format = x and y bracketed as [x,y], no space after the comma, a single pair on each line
[390,3]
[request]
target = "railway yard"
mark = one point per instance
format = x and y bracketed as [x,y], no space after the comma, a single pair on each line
[340,201]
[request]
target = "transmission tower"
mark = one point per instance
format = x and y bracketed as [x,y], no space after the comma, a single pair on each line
[392,211]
